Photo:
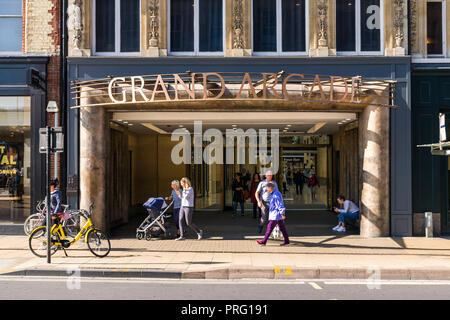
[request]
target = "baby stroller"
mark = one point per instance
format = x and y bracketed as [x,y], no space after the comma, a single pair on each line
[154,225]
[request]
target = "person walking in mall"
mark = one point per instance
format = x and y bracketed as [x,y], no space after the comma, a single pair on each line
[277,215]
[187,208]
[263,197]
[176,204]
[254,185]
[313,184]
[299,180]
[350,211]
[238,194]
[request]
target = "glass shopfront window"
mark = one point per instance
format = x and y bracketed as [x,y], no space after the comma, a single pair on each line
[116,27]
[196,27]
[279,26]
[15,159]
[359,26]
[434,28]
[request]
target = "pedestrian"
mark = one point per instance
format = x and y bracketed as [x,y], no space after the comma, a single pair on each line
[284,183]
[350,211]
[263,197]
[176,204]
[254,185]
[313,183]
[55,201]
[277,215]
[245,178]
[187,208]
[299,180]
[238,194]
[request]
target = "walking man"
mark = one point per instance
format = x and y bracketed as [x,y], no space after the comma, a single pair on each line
[277,215]
[263,198]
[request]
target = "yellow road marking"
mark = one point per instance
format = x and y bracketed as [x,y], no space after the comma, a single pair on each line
[315,285]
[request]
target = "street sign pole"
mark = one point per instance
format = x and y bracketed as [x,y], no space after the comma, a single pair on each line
[47,205]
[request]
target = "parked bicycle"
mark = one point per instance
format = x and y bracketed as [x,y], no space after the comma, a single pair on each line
[97,242]
[71,224]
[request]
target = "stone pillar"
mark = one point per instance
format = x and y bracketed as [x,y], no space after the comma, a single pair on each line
[374,171]
[93,156]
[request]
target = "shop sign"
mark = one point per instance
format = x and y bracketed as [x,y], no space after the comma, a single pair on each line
[213,86]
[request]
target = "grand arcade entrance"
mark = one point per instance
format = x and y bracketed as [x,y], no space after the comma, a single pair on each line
[133,129]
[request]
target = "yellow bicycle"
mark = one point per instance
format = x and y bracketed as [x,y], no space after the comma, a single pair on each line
[97,242]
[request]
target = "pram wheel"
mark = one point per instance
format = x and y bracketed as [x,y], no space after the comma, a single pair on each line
[148,237]
[139,235]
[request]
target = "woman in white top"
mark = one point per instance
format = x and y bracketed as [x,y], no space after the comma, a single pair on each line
[187,208]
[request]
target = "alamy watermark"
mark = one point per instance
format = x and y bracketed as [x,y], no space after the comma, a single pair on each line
[213,153]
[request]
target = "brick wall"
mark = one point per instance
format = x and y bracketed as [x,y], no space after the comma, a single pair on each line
[42,35]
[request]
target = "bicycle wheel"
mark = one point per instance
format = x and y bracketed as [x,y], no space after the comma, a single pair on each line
[38,242]
[72,225]
[98,243]
[33,221]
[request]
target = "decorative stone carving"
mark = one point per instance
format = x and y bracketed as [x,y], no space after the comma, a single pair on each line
[322,49]
[322,10]
[154,23]
[238,29]
[398,22]
[413,23]
[74,26]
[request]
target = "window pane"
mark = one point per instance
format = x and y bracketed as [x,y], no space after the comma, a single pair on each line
[345,25]
[370,25]
[15,159]
[434,28]
[104,26]
[293,12]
[129,26]
[264,25]
[11,34]
[11,7]
[182,25]
[210,25]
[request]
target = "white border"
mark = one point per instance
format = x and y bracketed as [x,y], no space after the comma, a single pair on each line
[117,51]
[358,51]
[279,51]
[197,51]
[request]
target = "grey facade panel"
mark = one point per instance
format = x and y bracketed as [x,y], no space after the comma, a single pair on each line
[382,68]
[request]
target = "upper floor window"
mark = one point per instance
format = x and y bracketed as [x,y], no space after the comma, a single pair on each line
[279,26]
[196,27]
[359,25]
[11,26]
[116,26]
[435,32]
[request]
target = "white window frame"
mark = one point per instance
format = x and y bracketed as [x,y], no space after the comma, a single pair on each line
[117,51]
[197,51]
[443,31]
[6,16]
[358,51]
[279,34]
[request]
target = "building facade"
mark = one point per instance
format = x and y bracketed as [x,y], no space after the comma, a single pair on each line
[30,65]
[130,159]
[430,96]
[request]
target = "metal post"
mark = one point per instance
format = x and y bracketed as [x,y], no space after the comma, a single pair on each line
[55,169]
[47,204]
[428,224]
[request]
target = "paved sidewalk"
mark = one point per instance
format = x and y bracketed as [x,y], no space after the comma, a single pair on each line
[220,257]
